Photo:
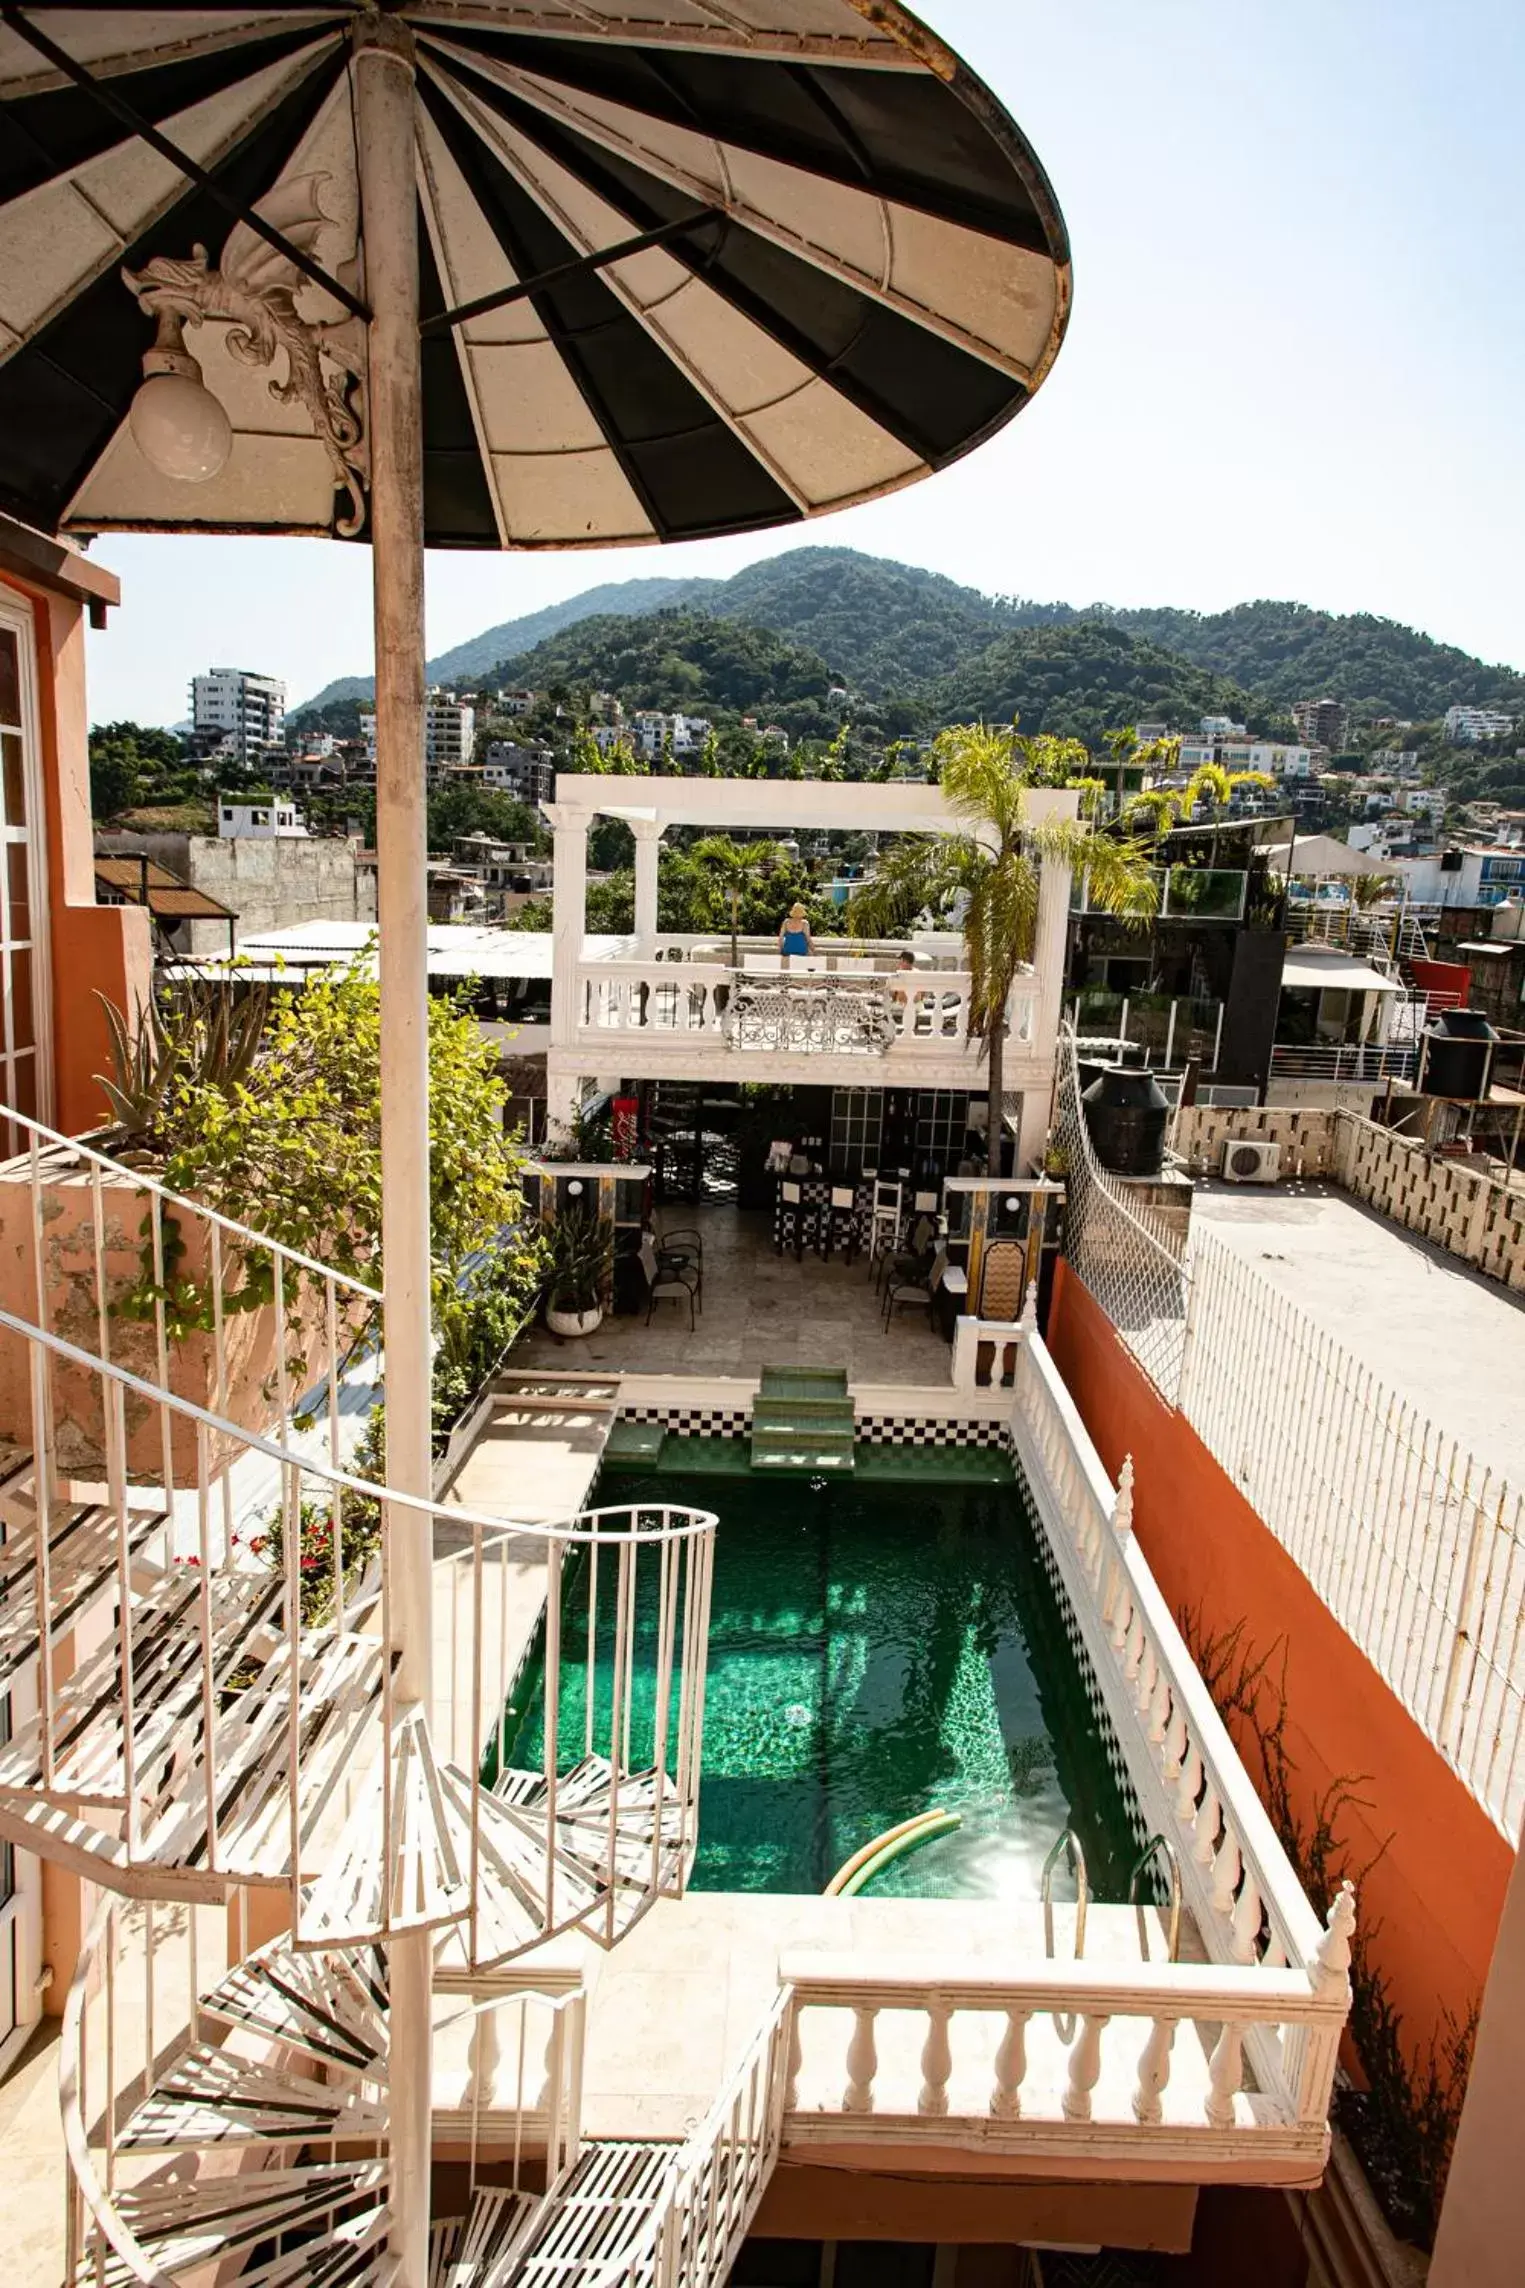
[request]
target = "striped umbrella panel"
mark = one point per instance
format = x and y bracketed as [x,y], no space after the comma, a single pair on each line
[859,273]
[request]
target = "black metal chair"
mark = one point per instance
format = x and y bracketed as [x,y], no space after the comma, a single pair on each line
[664,1281]
[797,1221]
[839,1222]
[685,1251]
[915,1287]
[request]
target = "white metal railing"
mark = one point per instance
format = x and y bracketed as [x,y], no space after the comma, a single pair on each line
[1388,935]
[507,2075]
[719,2176]
[236,1721]
[1357,1064]
[1416,1547]
[900,1015]
[192,1301]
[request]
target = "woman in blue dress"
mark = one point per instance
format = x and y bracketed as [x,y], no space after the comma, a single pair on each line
[794,933]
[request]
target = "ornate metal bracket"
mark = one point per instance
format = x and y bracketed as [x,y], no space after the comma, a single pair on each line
[254,287]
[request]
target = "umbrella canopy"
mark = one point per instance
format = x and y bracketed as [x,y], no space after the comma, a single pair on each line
[1321,856]
[846,266]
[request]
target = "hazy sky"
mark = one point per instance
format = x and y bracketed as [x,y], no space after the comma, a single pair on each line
[1296,365]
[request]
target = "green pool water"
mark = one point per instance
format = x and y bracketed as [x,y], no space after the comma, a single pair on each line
[878,1648]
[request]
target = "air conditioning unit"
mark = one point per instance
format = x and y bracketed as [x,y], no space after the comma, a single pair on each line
[1251,1163]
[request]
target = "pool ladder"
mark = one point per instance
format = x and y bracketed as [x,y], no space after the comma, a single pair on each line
[1068,1845]
[1156,1846]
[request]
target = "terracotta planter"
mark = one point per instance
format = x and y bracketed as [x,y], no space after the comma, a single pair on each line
[252,1349]
[573,1323]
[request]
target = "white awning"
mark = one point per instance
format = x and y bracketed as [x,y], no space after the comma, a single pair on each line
[1329,970]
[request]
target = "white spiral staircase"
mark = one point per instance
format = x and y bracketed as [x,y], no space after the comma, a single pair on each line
[207,1724]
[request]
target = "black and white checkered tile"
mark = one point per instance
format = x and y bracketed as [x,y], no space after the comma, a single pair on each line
[874,1429]
[928,1430]
[1080,1651]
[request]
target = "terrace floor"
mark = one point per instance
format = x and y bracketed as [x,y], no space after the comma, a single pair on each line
[760,1309]
[1439,1333]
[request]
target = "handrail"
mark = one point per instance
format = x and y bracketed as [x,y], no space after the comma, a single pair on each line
[1156,1844]
[140,1180]
[566,1530]
[1077,1858]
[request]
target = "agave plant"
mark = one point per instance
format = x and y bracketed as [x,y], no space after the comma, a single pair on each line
[205,1037]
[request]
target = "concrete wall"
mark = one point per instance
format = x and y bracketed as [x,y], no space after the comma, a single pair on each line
[1437,1867]
[269,885]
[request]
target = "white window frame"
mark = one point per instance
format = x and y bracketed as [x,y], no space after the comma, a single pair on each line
[17,615]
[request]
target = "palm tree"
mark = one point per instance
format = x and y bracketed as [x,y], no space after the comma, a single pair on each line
[734,865]
[992,867]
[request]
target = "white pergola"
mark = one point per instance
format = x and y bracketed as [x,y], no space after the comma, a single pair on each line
[649,806]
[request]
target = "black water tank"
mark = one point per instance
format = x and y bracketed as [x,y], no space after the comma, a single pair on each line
[1127,1116]
[1458,1051]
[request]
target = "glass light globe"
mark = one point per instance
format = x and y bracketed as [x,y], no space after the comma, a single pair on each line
[179,426]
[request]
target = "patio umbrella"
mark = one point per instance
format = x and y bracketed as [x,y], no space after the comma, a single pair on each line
[494,274]
[1320,855]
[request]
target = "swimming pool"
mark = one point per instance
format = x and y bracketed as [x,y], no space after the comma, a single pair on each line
[878,1649]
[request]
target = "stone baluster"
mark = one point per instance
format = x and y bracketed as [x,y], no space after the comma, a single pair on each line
[1175,1746]
[1190,1781]
[1010,2066]
[1204,1828]
[1133,1653]
[1085,2069]
[1246,1921]
[1226,1865]
[1122,1507]
[1225,2071]
[1330,1967]
[1146,1679]
[482,2060]
[862,2063]
[1029,1319]
[936,2059]
[1121,1603]
[1159,1714]
[1154,2071]
[796,2057]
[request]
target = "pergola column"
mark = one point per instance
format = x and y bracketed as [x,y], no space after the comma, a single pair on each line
[1048,962]
[648,846]
[569,910]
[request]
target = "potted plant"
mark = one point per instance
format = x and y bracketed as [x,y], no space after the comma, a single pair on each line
[581,1268]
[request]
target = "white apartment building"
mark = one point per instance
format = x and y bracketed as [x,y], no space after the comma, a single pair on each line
[260,822]
[244,712]
[649,729]
[449,733]
[1401,762]
[1274,756]
[1471,726]
[1221,727]
[515,702]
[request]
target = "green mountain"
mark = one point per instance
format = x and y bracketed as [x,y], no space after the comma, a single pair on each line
[1285,652]
[928,647]
[1085,679]
[679,658]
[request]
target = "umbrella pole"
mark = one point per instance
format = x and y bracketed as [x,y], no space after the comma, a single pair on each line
[383,51]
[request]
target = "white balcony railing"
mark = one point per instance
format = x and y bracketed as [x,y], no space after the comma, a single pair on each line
[902,1016]
[1355,1063]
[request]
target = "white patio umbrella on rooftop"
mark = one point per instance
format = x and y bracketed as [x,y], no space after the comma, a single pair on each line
[494,274]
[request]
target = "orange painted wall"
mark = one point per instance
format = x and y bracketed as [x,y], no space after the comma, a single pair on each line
[1433,1900]
[95,949]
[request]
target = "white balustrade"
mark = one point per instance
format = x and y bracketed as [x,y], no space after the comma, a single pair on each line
[901,1015]
[1109,2058]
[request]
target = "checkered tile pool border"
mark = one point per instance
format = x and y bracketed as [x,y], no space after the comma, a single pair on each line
[874,1429]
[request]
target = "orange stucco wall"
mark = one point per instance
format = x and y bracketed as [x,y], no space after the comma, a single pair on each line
[1432,1901]
[94,949]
